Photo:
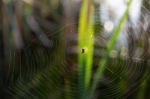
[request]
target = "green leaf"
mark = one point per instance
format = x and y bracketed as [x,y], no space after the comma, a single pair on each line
[85,47]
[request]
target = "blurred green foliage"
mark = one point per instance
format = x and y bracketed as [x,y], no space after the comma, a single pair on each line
[54,49]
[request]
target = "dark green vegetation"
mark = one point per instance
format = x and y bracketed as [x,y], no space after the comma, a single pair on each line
[53,49]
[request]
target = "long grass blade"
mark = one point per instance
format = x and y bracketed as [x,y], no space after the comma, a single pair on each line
[110,46]
[85,47]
